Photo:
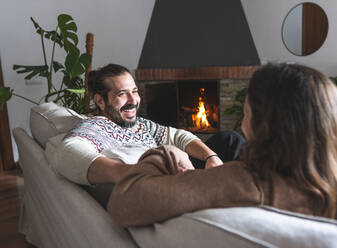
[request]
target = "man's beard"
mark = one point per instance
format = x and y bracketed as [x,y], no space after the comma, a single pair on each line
[115,114]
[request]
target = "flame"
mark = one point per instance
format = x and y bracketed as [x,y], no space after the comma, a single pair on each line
[200,119]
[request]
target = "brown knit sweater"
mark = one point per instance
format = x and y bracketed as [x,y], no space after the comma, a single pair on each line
[154,191]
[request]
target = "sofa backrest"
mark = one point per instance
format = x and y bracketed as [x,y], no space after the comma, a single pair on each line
[49,119]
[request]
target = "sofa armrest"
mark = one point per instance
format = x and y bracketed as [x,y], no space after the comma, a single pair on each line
[57,212]
[240,227]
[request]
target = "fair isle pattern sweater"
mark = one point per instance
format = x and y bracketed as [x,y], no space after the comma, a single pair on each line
[105,134]
[98,136]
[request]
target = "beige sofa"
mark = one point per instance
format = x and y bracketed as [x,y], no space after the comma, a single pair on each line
[58,213]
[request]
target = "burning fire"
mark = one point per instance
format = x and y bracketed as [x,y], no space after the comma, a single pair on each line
[200,118]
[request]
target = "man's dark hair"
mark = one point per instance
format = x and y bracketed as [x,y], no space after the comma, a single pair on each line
[96,80]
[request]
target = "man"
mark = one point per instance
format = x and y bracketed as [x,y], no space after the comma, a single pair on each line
[100,148]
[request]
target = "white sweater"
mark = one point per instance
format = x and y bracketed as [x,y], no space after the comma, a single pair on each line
[99,136]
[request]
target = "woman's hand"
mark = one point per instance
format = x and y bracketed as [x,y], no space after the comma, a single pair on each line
[182,159]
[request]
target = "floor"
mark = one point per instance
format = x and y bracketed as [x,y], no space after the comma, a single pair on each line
[11,187]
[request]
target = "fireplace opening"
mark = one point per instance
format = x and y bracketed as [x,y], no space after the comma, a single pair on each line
[198,103]
[161,103]
[189,105]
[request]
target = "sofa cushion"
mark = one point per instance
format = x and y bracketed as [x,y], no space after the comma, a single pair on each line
[239,227]
[51,146]
[49,119]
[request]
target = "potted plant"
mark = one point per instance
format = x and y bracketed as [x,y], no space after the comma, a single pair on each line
[70,93]
[237,108]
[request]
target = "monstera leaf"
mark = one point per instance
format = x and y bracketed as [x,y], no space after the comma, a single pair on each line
[57,66]
[76,63]
[36,70]
[33,70]
[5,94]
[68,31]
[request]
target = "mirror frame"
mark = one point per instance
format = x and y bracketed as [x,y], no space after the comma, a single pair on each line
[323,18]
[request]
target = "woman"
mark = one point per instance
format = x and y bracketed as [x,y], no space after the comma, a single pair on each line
[290,159]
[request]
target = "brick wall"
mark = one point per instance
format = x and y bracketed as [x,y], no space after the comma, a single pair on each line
[201,73]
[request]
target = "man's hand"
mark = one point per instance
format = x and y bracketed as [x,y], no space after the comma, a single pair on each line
[199,150]
[213,161]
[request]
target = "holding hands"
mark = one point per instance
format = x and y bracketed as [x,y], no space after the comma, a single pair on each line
[182,160]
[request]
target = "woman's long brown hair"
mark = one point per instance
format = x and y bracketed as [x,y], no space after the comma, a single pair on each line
[294,126]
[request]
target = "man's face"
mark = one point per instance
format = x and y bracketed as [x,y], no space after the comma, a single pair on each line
[123,100]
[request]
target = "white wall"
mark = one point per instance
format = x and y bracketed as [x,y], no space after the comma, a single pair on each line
[119,28]
[265,18]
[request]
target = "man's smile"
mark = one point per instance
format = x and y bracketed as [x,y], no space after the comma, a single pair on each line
[129,113]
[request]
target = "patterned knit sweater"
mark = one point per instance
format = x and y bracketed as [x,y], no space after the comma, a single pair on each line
[99,136]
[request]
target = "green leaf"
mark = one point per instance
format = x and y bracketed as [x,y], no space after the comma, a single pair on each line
[241,95]
[57,66]
[33,70]
[5,94]
[229,111]
[71,60]
[85,60]
[51,35]
[76,91]
[36,25]
[237,108]
[77,64]
[76,83]
[81,65]
[68,31]
[73,37]
[54,36]
[46,98]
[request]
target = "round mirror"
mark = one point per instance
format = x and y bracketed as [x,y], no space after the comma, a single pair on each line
[304,29]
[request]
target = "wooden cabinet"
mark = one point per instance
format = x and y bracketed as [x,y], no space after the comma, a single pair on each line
[6,152]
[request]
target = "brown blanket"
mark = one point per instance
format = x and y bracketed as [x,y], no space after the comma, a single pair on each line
[155,191]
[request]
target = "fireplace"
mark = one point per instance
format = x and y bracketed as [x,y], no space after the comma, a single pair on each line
[172,96]
[198,57]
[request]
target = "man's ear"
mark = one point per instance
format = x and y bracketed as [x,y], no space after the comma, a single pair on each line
[98,99]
